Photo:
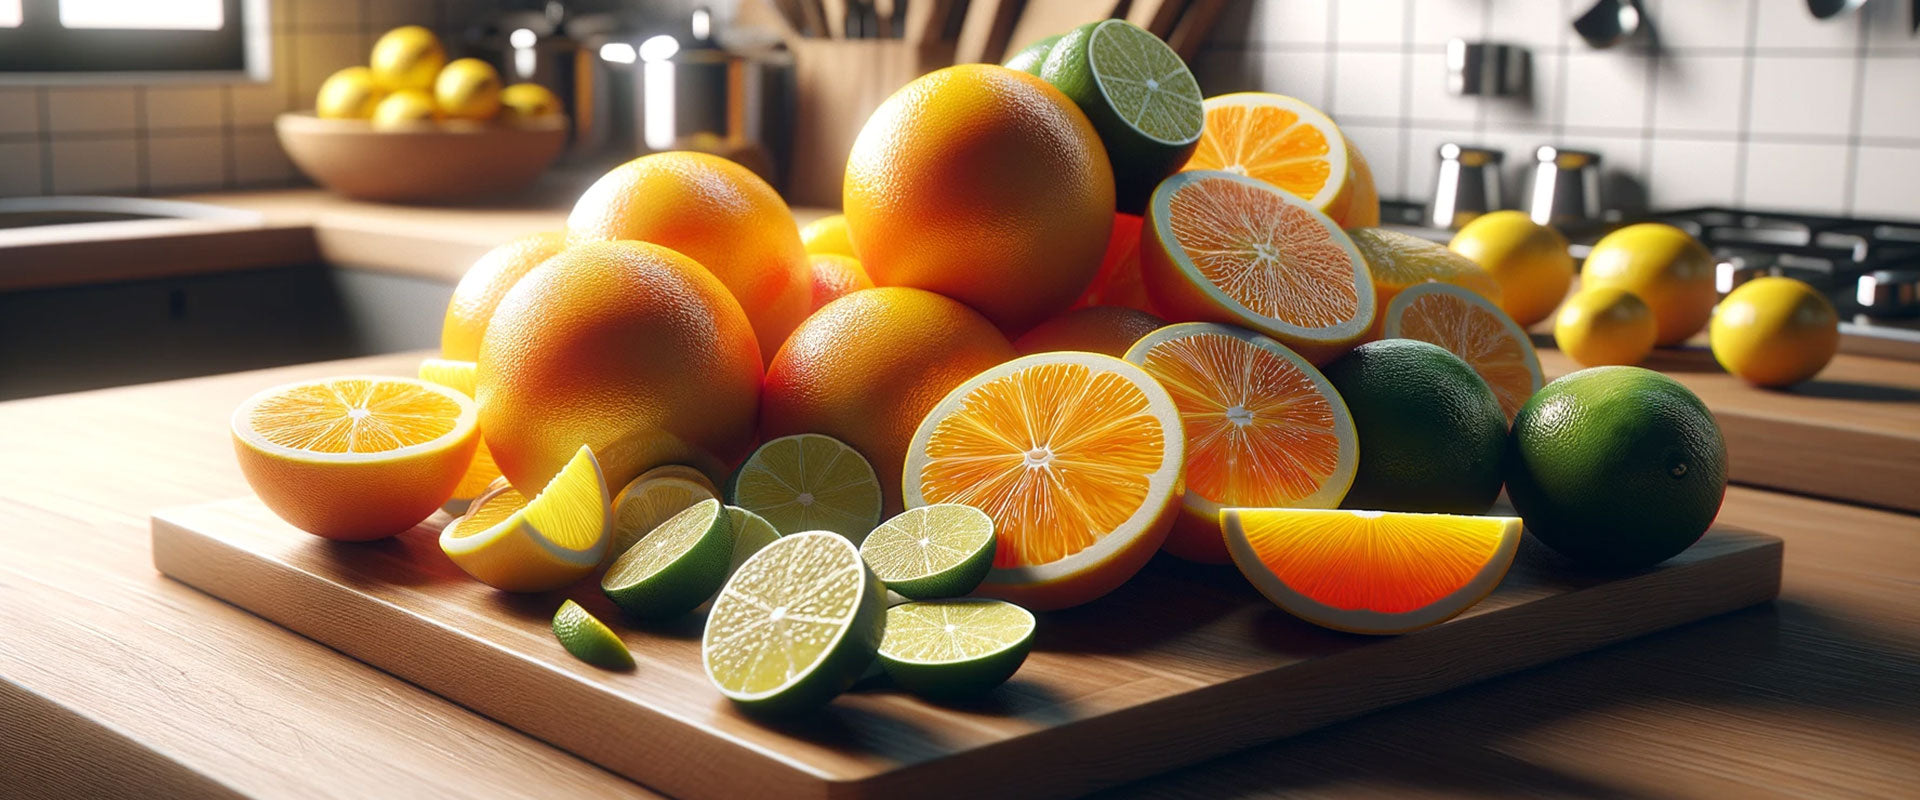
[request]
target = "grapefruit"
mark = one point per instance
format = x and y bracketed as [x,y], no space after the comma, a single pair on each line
[488,280]
[834,277]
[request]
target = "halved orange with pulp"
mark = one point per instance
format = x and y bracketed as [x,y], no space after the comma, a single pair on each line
[1264,428]
[1220,247]
[1472,327]
[1077,458]
[355,458]
[1281,140]
[1376,572]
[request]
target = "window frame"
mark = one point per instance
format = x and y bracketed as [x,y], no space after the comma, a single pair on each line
[43,52]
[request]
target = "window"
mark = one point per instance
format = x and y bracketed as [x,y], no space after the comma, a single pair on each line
[97,40]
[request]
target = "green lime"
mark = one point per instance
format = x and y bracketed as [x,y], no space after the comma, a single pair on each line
[809,482]
[750,533]
[795,626]
[941,550]
[1431,431]
[1616,467]
[676,566]
[1030,58]
[1139,96]
[955,648]
[589,639]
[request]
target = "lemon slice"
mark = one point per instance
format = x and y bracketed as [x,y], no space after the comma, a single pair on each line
[589,639]
[809,482]
[795,626]
[555,539]
[941,550]
[950,649]
[652,498]
[676,566]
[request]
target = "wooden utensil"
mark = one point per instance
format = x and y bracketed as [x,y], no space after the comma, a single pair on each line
[926,20]
[1191,32]
[984,34]
[813,18]
[1043,18]
[836,13]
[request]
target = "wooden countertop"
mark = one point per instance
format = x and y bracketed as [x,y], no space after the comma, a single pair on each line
[117,681]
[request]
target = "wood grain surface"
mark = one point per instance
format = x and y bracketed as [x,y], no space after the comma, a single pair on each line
[1115,690]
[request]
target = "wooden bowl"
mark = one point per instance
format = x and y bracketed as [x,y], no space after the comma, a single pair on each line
[451,160]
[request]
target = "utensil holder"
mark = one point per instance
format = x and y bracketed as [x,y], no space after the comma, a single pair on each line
[839,82]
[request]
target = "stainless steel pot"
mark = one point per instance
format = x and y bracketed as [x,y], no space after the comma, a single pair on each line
[1565,186]
[1466,185]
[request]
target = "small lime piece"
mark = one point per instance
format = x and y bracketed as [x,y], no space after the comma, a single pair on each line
[809,482]
[795,626]
[1029,59]
[1140,97]
[949,649]
[930,552]
[676,567]
[589,639]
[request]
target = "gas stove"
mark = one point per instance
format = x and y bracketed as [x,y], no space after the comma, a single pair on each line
[1870,269]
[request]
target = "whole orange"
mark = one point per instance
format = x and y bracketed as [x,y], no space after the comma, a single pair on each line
[835,276]
[867,367]
[484,284]
[627,347]
[986,185]
[1108,330]
[717,213]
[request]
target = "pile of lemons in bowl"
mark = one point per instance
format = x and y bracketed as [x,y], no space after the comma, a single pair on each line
[409,81]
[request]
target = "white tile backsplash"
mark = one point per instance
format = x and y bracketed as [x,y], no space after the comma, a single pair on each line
[19,110]
[1437,21]
[97,166]
[1693,173]
[1606,90]
[1432,103]
[1699,93]
[19,168]
[1692,24]
[1786,25]
[1293,21]
[1535,23]
[90,110]
[182,163]
[257,158]
[1807,96]
[1891,98]
[1798,177]
[1539,110]
[184,107]
[1883,183]
[1368,84]
[1890,27]
[1370,22]
[1299,73]
[1382,147]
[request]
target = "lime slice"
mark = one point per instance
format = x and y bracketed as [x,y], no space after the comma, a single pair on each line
[676,567]
[1139,96]
[955,648]
[941,550]
[1029,59]
[589,639]
[809,482]
[650,499]
[750,533]
[796,626]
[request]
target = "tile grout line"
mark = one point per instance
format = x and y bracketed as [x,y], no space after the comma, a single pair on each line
[1480,101]
[1850,174]
[1332,56]
[43,107]
[1741,146]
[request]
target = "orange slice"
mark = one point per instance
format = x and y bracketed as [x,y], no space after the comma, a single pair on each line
[1376,572]
[1397,261]
[1076,457]
[1280,140]
[1220,247]
[355,458]
[459,375]
[1472,327]
[1264,428]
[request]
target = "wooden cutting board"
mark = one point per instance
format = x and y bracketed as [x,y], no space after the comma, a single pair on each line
[1182,664]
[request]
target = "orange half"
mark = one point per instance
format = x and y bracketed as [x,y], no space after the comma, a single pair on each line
[1473,328]
[1225,248]
[1280,140]
[1075,456]
[1377,572]
[1264,428]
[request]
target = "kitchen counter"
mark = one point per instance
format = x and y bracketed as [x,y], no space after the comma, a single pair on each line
[116,680]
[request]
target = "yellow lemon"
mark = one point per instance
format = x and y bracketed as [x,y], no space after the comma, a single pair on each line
[404,108]
[1665,267]
[1605,325]
[1775,332]
[407,58]
[468,89]
[1529,260]
[528,101]
[828,236]
[350,93]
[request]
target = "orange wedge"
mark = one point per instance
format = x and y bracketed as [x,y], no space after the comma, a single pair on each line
[1264,428]
[1220,247]
[1118,281]
[1472,327]
[1377,572]
[459,375]
[1282,141]
[1076,457]
[355,458]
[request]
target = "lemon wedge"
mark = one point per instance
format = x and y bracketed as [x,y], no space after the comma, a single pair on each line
[517,545]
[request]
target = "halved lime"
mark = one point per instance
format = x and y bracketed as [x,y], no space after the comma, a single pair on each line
[809,482]
[750,533]
[676,567]
[795,626]
[650,499]
[589,639]
[1139,96]
[955,648]
[1029,59]
[925,553]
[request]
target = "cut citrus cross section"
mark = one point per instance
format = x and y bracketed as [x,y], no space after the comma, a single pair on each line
[1280,140]
[1225,248]
[1476,330]
[520,545]
[941,550]
[1397,261]
[1075,456]
[652,498]
[795,625]
[809,482]
[459,375]
[355,458]
[1264,428]
[955,648]
[1376,572]
[676,566]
